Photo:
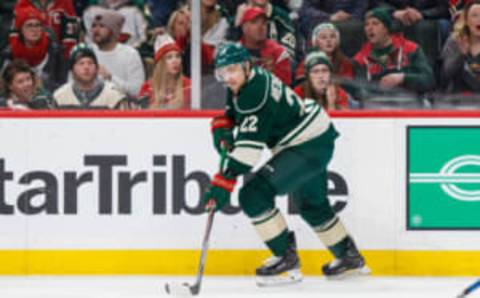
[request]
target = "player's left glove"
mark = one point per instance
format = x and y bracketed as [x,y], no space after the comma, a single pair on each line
[218,193]
[222,130]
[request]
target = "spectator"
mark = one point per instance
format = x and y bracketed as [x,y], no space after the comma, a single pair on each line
[215,25]
[319,84]
[87,90]
[37,48]
[22,90]
[178,27]
[119,63]
[346,14]
[461,54]
[265,52]
[280,26]
[134,30]
[326,37]
[60,17]
[169,89]
[391,60]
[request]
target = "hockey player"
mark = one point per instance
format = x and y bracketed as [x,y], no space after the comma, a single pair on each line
[262,112]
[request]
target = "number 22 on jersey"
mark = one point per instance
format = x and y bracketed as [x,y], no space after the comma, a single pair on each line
[249,124]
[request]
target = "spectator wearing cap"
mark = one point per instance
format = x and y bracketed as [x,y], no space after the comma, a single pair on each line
[319,84]
[34,45]
[22,89]
[346,14]
[280,27]
[119,63]
[59,17]
[87,90]
[326,38]
[134,29]
[265,52]
[390,60]
[168,89]
[461,53]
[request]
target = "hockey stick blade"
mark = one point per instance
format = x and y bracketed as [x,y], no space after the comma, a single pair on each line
[185,289]
[181,290]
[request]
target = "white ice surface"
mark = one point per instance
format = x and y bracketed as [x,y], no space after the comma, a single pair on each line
[153,287]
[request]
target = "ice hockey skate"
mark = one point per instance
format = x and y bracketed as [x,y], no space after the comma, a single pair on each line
[281,270]
[351,265]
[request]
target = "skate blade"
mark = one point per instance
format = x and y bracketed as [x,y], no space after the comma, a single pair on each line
[287,278]
[352,273]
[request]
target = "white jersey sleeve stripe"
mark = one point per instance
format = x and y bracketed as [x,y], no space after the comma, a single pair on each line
[246,155]
[251,144]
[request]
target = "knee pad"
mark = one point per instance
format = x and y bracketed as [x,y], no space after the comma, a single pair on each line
[256,196]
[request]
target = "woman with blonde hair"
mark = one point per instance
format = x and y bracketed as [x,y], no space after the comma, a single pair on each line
[461,53]
[214,29]
[168,89]
[179,28]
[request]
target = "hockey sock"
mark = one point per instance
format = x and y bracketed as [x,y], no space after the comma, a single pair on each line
[334,236]
[273,230]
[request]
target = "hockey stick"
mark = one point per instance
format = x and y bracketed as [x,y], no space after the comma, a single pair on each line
[470,289]
[185,289]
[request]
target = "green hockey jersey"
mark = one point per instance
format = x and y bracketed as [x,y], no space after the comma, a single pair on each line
[268,114]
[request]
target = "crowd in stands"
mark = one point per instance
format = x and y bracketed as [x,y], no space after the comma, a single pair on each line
[136,54]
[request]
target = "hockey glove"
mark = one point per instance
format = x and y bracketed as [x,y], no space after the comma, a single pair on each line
[218,194]
[222,130]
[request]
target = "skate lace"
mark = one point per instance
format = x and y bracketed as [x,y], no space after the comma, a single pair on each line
[270,261]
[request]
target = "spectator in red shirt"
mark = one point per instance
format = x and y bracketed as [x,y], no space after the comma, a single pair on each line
[319,84]
[266,53]
[60,17]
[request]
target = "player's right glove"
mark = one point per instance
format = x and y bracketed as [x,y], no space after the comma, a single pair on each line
[218,194]
[222,130]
